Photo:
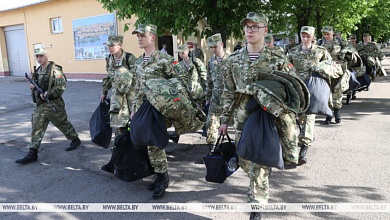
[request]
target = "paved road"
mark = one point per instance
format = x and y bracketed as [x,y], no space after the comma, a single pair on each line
[348,163]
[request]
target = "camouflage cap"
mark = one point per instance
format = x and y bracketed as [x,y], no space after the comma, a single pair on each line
[352,36]
[40,51]
[114,40]
[327,29]
[268,38]
[366,35]
[145,28]
[214,40]
[182,48]
[308,29]
[256,17]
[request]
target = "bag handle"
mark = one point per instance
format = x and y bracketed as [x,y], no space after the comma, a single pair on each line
[219,142]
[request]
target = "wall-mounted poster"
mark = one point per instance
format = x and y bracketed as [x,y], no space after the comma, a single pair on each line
[90,34]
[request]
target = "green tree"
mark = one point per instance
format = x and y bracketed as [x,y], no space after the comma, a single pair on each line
[223,16]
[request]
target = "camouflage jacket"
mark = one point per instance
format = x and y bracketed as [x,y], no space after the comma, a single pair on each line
[303,60]
[239,71]
[51,80]
[214,85]
[160,65]
[333,47]
[194,77]
[278,50]
[198,53]
[371,50]
[120,77]
[288,48]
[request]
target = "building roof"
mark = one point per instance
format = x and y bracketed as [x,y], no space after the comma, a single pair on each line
[10,5]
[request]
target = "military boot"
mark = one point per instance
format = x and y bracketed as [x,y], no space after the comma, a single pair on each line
[31,156]
[255,216]
[74,144]
[162,182]
[353,95]
[328,120]
[152,186]
[174,137]
[337,115]
[349,96]
[302,155]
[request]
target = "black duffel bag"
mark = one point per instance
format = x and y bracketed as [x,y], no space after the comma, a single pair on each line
[130,164]
[147,127]
[221,162]
[99,125]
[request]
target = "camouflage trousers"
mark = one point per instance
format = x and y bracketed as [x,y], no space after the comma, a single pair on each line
[258,190]
[43,114]
[307,122]
[336,100]
[288,135]
[158,159]
[213,123]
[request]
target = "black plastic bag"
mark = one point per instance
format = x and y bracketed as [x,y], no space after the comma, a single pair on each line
[319,95]
[221,162]
[259,140]
[147,128]
[99,125]
[130,164]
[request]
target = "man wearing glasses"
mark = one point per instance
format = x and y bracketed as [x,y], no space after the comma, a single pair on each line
[241,69]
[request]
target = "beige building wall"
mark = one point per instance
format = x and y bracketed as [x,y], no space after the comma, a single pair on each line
[60,46]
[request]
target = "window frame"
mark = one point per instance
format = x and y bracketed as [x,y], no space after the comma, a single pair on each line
[56,22]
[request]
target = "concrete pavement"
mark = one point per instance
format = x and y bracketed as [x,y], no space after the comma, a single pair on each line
[348,163]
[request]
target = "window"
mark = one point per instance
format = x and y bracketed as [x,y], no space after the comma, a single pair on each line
[56,25]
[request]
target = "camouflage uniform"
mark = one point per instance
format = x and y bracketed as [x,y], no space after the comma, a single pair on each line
[158,66]
[289,47]
[120,79]
[371,55]
[276,50]
[334,48]
[238,74]
[303,60]
[194,77]
[53,81]
[214,89]
[197,53]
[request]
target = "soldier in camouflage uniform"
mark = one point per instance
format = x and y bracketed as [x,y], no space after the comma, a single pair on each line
[214,86]
[50,78]
[153,64]
[304,56]
[354,44]
[119,67]
[237,75]
[269,42]
[291,44]
[371,55]
[195,74]
[196,53]
[334,47]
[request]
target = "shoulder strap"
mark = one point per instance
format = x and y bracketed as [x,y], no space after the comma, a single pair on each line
[51,69]
[127,59]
